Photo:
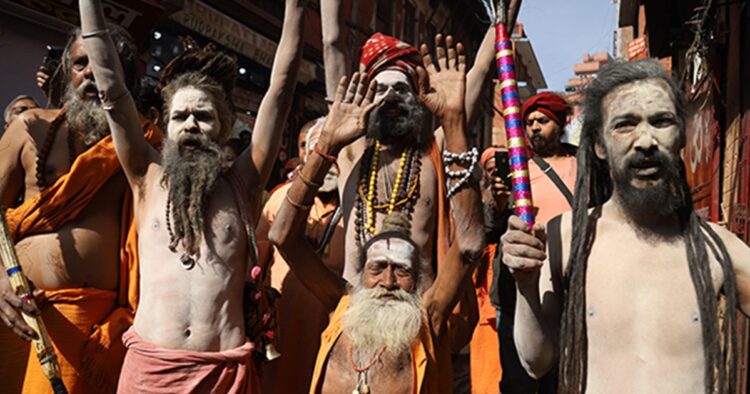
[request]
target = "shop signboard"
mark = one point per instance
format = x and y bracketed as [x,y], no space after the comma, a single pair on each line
[701,154]
[209,22]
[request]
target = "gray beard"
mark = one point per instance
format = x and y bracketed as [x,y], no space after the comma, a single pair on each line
[371,323]
[404,130]
[85,117]
[190,178]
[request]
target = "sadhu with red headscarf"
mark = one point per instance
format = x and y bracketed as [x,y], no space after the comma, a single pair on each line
[392,326]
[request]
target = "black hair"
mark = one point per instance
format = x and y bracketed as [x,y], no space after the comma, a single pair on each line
[594,187]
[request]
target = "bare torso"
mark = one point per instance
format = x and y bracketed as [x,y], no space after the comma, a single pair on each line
[84,252]
[643,325]
[387,375]
[424,217]
[199,309]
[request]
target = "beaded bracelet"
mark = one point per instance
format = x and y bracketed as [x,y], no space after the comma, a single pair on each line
[471,157]
[296,204]
[308,182]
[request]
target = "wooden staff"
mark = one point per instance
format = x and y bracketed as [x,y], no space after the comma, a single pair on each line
[42,345]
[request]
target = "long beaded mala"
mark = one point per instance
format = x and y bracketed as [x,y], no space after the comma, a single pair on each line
[404,194]
[49,140]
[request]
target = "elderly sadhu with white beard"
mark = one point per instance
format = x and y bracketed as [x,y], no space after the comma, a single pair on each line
[388,331]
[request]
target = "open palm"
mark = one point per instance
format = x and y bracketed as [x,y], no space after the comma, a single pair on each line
[442,86]
[350,112]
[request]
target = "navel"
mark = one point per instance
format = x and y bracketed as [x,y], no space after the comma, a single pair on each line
[186,332]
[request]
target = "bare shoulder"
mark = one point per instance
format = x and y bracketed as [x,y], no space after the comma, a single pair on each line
[738,250]
[33,123]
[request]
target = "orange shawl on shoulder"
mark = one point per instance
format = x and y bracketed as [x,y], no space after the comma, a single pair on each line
[60,204]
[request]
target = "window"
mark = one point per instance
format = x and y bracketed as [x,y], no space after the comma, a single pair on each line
[384,23]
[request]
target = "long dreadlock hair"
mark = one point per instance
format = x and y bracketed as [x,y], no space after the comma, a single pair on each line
[594,186]
[214,73]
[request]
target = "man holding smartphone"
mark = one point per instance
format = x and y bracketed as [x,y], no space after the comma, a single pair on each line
[552,172]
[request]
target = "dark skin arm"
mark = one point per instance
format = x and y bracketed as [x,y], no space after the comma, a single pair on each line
[256,162]
[344,124]
[12,145]
[442,89]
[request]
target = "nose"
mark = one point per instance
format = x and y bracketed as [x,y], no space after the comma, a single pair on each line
[389,279]
[645,140]
[88,73]
[191,124]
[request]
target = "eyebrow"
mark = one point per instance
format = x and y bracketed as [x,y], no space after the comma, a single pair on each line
[196,112]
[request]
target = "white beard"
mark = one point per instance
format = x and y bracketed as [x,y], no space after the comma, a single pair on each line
[372,323]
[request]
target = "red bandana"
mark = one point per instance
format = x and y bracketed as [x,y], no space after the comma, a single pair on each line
[382,52]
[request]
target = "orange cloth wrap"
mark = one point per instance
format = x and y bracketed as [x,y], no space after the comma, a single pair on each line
[149,369]
[70,316]
[485,367]
[54,207]
[429,373]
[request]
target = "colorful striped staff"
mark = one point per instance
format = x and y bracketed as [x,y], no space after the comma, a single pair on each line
[42,345]
[518,154]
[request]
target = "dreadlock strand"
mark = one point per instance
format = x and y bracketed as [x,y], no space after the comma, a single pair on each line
[729,329]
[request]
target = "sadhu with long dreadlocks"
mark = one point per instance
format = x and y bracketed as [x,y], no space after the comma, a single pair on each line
[627,294]
[193,212]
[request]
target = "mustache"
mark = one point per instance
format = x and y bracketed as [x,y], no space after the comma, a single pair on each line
[380,292]
[639,159]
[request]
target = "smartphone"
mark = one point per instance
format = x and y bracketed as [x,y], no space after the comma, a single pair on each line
[52,58]
[502,166]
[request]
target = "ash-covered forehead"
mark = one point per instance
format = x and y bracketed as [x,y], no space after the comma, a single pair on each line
[394,250]
[638,98]
[392,77]
[190,97]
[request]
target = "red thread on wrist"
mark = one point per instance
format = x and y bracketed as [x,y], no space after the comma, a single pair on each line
[327,157]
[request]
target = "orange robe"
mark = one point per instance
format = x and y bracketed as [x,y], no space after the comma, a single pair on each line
[300,316]
[464,317]
[431,374]
[485,347]
[84,324]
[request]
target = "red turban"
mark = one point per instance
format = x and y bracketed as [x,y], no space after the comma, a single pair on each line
[382,52]
[549,104]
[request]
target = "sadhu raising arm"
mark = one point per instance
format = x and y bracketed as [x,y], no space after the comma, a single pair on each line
[392,316]
[190,215]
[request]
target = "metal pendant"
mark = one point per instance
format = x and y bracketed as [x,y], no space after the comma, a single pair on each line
[187,262]
[364,389]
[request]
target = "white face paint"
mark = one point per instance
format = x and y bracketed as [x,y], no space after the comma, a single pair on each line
[193,111]
[393,84]
[640,116]
[390,263]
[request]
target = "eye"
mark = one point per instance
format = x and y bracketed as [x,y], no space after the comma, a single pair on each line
[663,121]
[624,126]
[402,271]
[381,88]
[178,117]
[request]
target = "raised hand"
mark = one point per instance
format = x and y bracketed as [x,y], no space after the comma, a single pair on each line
[350,112]
[442,86]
